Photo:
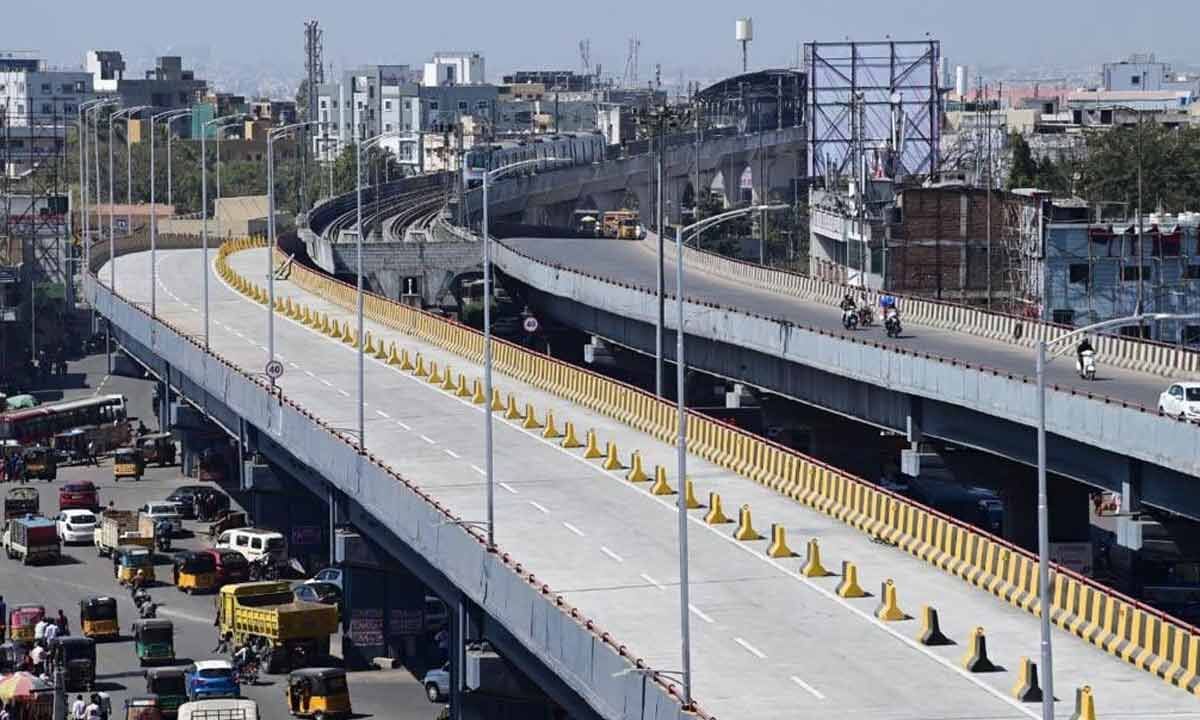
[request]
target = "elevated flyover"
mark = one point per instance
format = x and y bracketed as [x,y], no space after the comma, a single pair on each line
[968,382]
[576,538]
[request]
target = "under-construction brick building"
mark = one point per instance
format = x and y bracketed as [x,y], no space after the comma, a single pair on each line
[946,241]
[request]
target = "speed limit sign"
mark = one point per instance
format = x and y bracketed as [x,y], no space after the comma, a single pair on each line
[274,369]
[530,324]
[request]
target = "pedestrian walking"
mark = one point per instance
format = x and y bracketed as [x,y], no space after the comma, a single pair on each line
[79,709]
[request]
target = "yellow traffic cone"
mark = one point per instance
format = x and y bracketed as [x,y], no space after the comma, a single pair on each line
[511,412]
[419,369]
[405,362]
[478,397]
[530,422]
[497,403]
[434,376]
[462,390]
[393,358]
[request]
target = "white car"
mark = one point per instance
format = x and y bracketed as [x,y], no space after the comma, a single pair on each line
[168,511]
[330,575]
[1181,400]
[76,526]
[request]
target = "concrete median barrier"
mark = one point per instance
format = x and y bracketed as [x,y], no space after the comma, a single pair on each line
[1085,704]
[812,561]
[745,528]
[1027,688]
[849,587]
[779,547]
[976,658]
[592,451]
[715,515]
[661,486]
[612,458]
[931,628]
[689,500]
[551,431]
[888,609]
[569,438]
[636,472]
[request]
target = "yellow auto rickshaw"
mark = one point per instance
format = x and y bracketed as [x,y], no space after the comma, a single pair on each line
[130,561]
[128,463]
[98,618]
[318,693]
[158,448]
[41,463]
[195,572]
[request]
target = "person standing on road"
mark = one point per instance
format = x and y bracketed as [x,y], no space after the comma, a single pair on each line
[38,656]
[39,631]
[78,709]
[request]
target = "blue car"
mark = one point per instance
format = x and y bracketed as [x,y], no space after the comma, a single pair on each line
[211,679]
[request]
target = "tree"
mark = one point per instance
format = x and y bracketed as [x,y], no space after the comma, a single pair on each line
[1024,170]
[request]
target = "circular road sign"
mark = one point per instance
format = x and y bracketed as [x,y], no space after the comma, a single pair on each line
[530,324]
[274,369]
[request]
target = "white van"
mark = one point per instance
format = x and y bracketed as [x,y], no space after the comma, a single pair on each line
[255,544]
[219,709]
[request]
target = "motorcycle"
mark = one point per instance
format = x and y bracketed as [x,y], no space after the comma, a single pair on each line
[866,318]
[850,319]
[247,672]
[892,324]
[139,597]
[1085,365]
[148,610]
[162,536]
[263,570]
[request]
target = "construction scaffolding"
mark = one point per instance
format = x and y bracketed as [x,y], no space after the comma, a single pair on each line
[37,253]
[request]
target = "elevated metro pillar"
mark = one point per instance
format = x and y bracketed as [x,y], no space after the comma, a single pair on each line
[278,501]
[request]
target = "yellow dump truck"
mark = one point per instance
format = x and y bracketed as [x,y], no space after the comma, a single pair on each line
[621,224]
[257,613]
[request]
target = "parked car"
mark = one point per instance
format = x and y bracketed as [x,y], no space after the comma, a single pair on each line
[1181,400]
[186,497]
[76,526]
[158,511]
[332,575]
[324,593]
[209,679]
[437,684]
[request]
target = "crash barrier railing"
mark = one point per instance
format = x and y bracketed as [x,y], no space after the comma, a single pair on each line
[1126,628]
[664,682]
[1131,354]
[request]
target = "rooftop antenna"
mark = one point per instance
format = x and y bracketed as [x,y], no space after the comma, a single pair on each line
[743,32]
[631,63]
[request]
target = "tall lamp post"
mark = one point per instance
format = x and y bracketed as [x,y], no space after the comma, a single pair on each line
[489,465]
[1043,504]
[85,110]
[271,135]
[216,122]
[681,445]
[112,223]
[360,147]
[166,116]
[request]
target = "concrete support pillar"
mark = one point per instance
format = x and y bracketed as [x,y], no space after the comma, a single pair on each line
[1129,533]
[1070,520]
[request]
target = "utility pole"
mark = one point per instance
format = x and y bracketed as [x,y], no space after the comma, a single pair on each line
[989,204]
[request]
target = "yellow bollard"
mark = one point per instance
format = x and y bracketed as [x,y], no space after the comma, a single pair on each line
[393,357]
[419,369]
[779,547]
[1026,688]
[369,347]
[636,472]
[812,562]
[380,352]
[690,497]
[569,439]
[477,397]
[660,486]
[435,377]
[931,629]
[551,431]
[715,515]
[611,461]
[405,362]
[462,390]
[530,422]
[849,587]
[745,529]
[511,412]
[349,338]
[497,403]
[448,383]
[593,450]
[1085,704]
[976,658]
[888,609]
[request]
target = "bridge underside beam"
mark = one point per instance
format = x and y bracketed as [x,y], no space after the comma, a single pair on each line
[882,407]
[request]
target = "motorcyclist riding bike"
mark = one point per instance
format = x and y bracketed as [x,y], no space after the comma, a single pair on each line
[891,315]
[162,535]
[849,311]
[245,662]
[1085,362]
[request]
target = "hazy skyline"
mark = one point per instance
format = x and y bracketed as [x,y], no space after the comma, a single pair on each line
[694,38]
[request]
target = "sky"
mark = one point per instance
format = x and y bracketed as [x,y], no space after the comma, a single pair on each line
[694,37]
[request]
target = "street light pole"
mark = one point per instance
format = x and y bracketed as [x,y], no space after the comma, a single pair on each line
[681,437]
[169,115]
[489,465]
[112,222]
[217,122]
[1043,503]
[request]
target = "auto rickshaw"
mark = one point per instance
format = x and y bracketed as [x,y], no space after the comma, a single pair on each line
[98,618]
[168,686]
[21,621]
[41,463]
[158,448]
[78,655]
[318,693]
[128,463]
[195,572]
[129,560]
[21,501]
[143,708]
[154,641]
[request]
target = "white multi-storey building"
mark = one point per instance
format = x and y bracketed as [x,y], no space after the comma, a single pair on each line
[31,94]
[454,68]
